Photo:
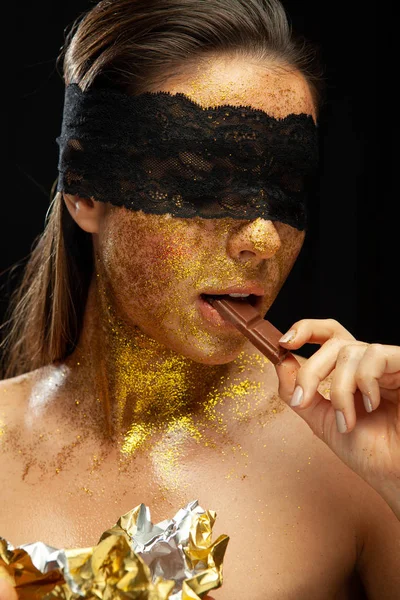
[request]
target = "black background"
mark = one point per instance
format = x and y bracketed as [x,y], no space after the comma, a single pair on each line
[348,268]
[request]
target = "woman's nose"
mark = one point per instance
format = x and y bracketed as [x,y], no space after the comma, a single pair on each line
[254,241]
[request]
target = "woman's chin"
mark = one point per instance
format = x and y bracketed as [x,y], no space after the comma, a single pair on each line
[213,348]
[212,354]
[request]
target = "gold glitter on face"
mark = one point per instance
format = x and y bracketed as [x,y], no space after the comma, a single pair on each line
[274,88]
[155,269]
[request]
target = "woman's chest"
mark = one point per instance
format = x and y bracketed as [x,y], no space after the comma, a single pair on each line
[290,536]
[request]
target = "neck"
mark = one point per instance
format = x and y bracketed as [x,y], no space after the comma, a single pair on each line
[140,386]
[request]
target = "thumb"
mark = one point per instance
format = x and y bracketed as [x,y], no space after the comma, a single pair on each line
[287,373]
[315,415]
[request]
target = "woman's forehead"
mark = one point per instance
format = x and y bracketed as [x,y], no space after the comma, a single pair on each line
[239,82]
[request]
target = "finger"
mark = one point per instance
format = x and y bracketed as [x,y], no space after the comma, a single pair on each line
[344,385]
[390,381]
[313,331]
[318,414]
[391,395]
[287,372]
[380,366]
[318,367]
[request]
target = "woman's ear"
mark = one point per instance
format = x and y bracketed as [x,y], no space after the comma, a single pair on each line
[86,213]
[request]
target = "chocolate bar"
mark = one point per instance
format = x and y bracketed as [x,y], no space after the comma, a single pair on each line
[261,333]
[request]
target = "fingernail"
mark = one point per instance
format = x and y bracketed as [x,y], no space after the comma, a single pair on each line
[367,403]
[288,337]
[340,421]
[297,397]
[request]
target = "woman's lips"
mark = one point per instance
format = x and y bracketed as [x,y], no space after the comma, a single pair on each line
[212,315]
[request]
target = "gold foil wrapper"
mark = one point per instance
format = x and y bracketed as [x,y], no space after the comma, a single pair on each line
[17,567]
[172,560]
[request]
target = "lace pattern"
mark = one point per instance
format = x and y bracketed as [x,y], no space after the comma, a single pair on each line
[164,153]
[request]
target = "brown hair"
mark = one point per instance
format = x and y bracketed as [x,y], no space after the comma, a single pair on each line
[130,45]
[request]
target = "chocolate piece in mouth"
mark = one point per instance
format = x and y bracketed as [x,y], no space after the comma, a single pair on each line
[252,299]
[261,333]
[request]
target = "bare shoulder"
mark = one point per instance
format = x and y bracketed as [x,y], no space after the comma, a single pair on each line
[378,533]
[377,529]
[16,392]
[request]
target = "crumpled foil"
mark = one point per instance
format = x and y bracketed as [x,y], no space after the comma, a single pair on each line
[172,560]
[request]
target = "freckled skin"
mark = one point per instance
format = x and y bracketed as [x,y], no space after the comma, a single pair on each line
[217,80]
[155,267]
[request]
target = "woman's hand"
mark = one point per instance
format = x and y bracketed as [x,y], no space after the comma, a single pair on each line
[360,421]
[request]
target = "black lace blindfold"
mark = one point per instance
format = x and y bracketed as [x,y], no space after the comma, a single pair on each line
[164,153]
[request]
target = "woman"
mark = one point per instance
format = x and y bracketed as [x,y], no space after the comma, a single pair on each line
[125,385]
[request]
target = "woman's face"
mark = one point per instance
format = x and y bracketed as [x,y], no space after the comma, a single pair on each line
[157,269]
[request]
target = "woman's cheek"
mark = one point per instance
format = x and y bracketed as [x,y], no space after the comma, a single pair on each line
[171,258]
[292,241]
[145,268]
